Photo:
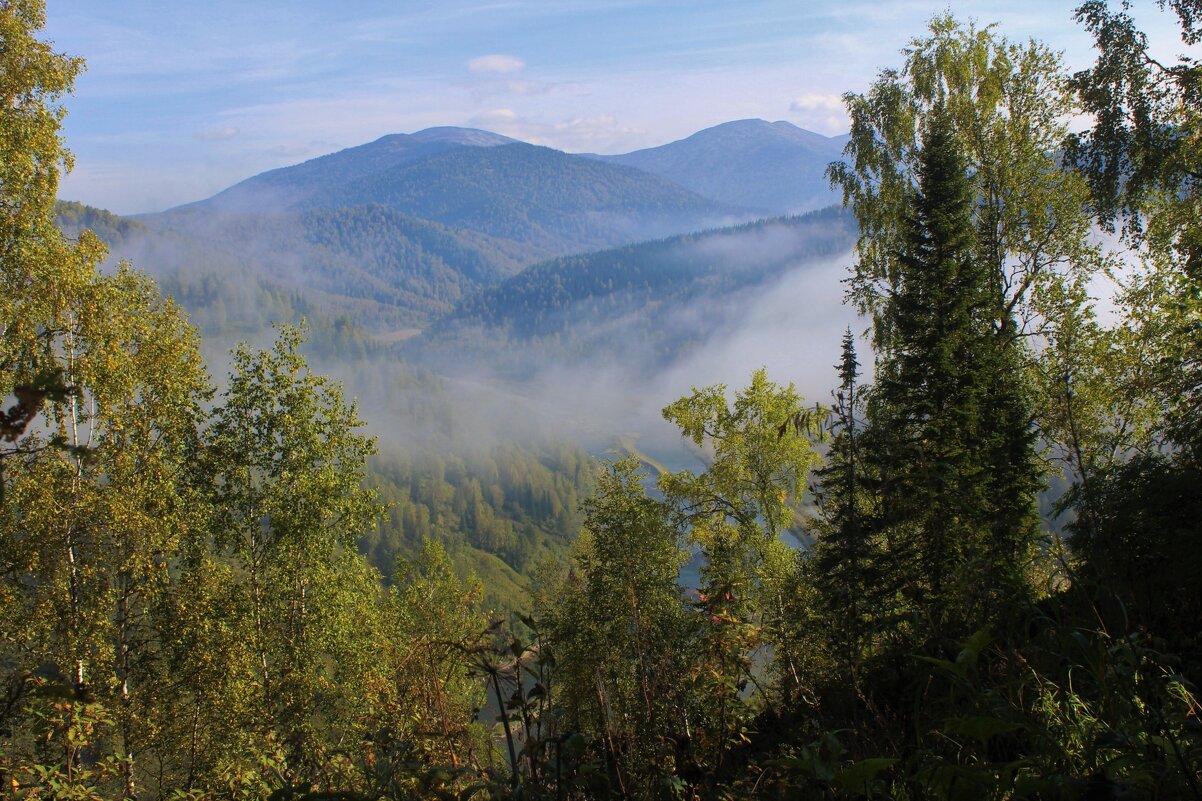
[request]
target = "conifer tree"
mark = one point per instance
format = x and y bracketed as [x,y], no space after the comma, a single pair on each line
[844,559]
[947,436]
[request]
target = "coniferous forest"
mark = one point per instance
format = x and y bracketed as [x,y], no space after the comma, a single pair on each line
[203,594]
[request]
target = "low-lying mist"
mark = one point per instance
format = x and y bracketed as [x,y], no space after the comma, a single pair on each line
[586,348]
[604,374]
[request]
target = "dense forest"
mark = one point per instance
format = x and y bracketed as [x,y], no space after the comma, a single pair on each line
[205,592]
[372,263]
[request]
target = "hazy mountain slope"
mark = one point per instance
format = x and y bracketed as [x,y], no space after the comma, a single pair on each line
[642,304]
[537,196]
[112,229]
[384,269]
[550,202]
[774,166]
[393,234]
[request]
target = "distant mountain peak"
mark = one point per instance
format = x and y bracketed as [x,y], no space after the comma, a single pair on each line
[758,127]
[752,163]
[295,185]
[750,122]
[473,137]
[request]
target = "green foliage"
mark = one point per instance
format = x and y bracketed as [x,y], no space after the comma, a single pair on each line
[92,504]
[1137,538]
[31,147]
[620,634]
[424,700]
[1046,706]
[286,472]
[949,425]
[1142,158]
[516,502]
[758,465]
[737,511]
[185,612]
[73,218]
[1006,104]
[1142,153]
[847,560]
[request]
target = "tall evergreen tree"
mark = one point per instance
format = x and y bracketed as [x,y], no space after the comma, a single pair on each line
[845,559]
[948,434]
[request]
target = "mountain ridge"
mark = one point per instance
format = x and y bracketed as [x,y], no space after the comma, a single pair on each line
[390,150]
[396,232]
[581,306]
[772,167]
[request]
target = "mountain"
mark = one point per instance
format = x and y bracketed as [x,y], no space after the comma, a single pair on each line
[306,183]
[394,233]
[773,166]
[643,305]
[435,231]
[549,202]
[538,196]
[112,229]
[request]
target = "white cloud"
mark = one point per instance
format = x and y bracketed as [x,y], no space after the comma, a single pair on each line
[821,112]
[496,63]
[599,132]
[817,102]
[217,134]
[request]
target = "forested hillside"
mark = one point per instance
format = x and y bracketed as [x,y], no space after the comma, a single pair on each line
[535,195]
[393,234]
[517,503]
[388,271]
[539,200]
[639,304]
[208,589]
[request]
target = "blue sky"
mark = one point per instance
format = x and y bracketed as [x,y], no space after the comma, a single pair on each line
[182,99]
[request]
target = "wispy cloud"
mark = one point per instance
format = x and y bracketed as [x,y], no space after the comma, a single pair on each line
[816,102]
[824,113]
[497,63]
[599,132]
[217,134]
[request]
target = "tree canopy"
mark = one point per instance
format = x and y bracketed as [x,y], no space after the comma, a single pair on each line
[197,600]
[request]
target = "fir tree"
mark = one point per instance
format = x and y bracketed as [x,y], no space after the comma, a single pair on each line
[949,435]
[843,563]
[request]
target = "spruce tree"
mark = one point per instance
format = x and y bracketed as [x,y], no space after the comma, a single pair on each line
[949,433]
[843,557]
